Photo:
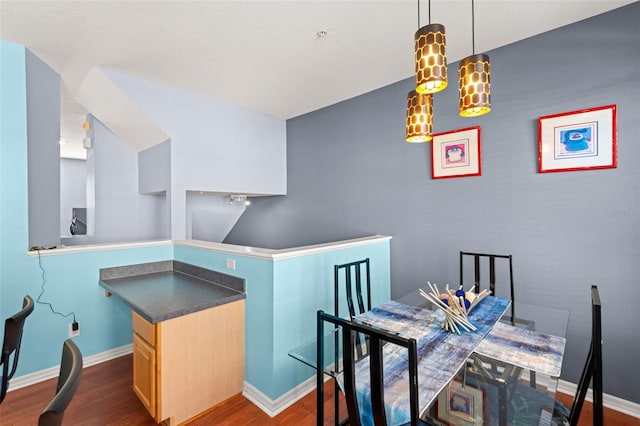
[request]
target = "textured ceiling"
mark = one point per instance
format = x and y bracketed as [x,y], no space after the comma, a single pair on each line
[263,55]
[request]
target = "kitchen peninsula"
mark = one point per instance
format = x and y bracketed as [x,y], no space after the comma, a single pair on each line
[188,341]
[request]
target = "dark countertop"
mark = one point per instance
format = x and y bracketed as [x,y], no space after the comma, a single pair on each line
[160,291]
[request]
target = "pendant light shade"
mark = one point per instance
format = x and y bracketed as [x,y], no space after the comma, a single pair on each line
[419,117]
[474,80]
[431,59]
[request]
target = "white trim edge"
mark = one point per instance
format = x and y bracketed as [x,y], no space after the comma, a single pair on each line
[49,373]
[609,401]
[272,254]
[274,407]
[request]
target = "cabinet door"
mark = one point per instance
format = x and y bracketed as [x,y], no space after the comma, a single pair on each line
[144,373]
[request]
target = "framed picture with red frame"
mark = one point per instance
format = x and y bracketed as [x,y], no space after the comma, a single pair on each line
[456,154]
[578,140]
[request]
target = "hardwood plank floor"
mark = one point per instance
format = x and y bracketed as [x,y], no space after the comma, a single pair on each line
[104,397]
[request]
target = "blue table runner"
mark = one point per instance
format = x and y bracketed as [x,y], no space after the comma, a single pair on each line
[441,354]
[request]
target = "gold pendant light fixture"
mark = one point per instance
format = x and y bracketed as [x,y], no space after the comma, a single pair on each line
[419,117]
[474,80]
[431,77]
[431,56]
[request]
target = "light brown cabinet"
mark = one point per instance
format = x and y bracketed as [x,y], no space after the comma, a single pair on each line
[185,365]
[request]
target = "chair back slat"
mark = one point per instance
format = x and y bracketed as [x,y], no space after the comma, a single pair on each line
[377,381]
[349,377]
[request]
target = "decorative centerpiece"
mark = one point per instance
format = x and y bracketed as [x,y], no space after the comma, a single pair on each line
[456,304]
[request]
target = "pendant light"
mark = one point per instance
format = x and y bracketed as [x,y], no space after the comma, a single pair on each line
[430,56]
[474,79]
[419,117]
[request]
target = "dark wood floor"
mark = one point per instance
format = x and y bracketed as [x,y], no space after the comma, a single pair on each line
[104,397]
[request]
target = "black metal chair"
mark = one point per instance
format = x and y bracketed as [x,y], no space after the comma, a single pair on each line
[377,338]
[13,327]
[592,372]
[477,277]
[352,277]
[70,370]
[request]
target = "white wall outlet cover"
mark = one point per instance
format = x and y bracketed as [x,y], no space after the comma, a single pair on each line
[231,264]
[72,332]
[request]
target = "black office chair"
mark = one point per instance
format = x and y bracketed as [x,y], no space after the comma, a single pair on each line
[592,372]
[377,338]
[13,327]
[70,370]
[352,279]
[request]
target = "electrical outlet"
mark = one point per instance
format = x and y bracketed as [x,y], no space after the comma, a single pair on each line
[74,329]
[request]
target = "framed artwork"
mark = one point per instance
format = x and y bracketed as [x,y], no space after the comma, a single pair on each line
[578,140]
[456,153]
[461,405]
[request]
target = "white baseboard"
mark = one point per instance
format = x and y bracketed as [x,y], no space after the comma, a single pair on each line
[609,401]
[49,373]
[275,407]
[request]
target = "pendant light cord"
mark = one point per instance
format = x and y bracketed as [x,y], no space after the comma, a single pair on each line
[473,29]
[419,13]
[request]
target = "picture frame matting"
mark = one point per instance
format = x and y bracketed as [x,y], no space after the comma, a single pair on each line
[456,154]
[578,140]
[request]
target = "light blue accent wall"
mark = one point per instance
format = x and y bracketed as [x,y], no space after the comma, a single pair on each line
[43,130]
[302,286]
[14,237]
[350,174]
[283,297]
[70,283]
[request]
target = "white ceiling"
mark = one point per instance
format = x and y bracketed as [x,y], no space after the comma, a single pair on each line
[263,55]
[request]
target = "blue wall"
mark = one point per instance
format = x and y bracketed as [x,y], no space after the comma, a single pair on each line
[350,173]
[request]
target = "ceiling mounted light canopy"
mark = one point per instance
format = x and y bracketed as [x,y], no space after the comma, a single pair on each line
[430,56]
[474,80]
[419,117]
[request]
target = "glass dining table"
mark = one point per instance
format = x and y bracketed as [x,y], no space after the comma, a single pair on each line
[508,375]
